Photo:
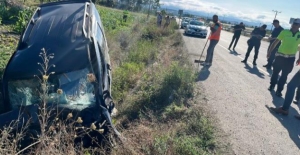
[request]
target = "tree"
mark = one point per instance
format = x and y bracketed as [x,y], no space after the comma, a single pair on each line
[109,3]
[155,4]
[138,5]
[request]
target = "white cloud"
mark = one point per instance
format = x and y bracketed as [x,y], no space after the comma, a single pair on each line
[247,14]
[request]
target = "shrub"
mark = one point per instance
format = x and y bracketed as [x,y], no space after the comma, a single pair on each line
[124,78]
[22,19]
[7,12]
[144,52]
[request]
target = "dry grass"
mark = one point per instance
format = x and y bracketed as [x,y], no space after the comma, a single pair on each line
[170,127]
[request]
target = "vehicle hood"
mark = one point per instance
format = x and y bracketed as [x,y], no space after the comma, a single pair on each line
[197,27]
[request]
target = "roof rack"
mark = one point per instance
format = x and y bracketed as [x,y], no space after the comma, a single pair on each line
[65,2]
[85,27]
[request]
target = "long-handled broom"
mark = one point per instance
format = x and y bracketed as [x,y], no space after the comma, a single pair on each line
[199,60]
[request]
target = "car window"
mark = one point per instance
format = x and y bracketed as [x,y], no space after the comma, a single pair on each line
[196,23]
[100,37]
[98,18]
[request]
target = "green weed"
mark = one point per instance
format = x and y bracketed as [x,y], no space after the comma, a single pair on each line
[144,52]
[7,12]
[162,88]
[22,19]
[113,20]
[124,78]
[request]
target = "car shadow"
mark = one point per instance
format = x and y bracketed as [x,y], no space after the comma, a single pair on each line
[234,52]
[291,124]
[203,74]
[254,70]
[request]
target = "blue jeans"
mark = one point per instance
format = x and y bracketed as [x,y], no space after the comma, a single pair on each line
[235,39]
[290,92]
[210,51]
[272,57]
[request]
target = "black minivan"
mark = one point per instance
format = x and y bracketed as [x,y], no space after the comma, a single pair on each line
[67,36]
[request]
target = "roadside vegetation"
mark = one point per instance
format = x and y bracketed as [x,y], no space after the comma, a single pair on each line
[153,87]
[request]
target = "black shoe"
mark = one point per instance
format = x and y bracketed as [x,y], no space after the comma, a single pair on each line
[267,66]
[254,63]
[296,101]
[279,94]
[244,61]
[271,88]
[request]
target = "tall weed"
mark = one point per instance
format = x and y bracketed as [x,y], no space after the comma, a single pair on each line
[22,19]
[124,78]
[163,87]
[144,52]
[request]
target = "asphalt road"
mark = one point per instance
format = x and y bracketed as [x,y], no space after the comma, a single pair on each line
[237,95]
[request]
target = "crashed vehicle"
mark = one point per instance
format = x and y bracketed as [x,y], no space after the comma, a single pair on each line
[196,28]
[78,74]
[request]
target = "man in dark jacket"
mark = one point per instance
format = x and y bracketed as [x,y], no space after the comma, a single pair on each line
[256,36]
[274,35]
[237,33]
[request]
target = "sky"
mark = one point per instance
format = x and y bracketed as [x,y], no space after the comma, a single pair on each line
[259,11]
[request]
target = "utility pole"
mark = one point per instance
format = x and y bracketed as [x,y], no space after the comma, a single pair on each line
[275,16]
[150,3]
[224,19]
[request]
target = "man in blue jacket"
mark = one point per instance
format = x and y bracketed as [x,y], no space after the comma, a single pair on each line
[274,35]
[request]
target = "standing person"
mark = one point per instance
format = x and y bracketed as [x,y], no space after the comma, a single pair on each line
[237,33]
[167,22]
[291,87]
[285,56]
[256,36]
[214,38]
[159,19]
[274,35]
